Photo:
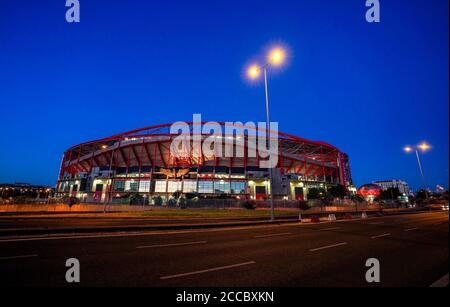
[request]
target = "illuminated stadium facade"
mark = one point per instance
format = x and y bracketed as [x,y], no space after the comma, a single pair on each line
[140,162]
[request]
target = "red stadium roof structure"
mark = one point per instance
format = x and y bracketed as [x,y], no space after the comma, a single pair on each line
[150,146]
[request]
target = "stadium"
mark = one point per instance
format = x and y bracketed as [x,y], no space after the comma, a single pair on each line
[139,164]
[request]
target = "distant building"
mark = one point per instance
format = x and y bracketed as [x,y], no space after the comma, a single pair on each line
[440,189]
[369,192]
[402,186]
[20,189]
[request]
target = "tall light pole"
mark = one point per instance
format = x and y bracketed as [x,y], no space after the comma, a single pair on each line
[276,57]
[421,147]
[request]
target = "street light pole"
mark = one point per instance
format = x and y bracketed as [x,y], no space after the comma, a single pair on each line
[421,172]
[420,165]
[268,134]
[423,147]
[276,57]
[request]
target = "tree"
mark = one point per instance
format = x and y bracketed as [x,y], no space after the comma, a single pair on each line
[421,194]
[390,193]
[177,194]
[315,193]
[358,198]
[337,191]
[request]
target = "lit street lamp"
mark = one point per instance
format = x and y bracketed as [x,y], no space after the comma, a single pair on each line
[276,57]
[421,147]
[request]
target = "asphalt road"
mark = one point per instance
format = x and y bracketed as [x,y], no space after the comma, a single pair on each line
[412,250]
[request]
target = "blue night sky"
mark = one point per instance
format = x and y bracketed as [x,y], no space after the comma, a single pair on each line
[367,88]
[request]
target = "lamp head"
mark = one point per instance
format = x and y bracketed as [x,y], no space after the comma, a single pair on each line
[253,72]
[277,56]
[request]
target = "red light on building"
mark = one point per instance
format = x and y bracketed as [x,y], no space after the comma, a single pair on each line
[369,190]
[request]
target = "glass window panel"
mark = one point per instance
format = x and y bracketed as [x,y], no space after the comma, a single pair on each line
[222,187]
[174,186]
[205,187]
[144,186]
[238,187]
[131,186]
[189,186]
[119,185]
[160,186]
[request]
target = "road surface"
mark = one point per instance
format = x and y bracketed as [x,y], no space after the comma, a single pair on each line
[412,250]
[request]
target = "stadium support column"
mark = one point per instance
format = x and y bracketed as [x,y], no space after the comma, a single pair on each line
[341,170]
[61,167]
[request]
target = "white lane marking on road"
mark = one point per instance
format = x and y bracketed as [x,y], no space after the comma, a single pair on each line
[18,257]
[327,247]
[441,283]
[381,236]
[171,245]
[376,223]
[411,229]
[220,268]
[273,235]
[333,228]
[143,234]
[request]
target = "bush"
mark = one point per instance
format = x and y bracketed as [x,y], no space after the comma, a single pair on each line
[315,193]
[182,203]
[135,199]
[358,199]
[172,202]
[303,205]
[192,196]
[72,201]
[250,205]
[338,191]
[158,201]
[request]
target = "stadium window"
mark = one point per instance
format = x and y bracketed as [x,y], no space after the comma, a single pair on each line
[238,187]
[144,186]
[174,186]
[131,186]
[221,187]
[189,186]
[160,186]
[119,186]
[205,187]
